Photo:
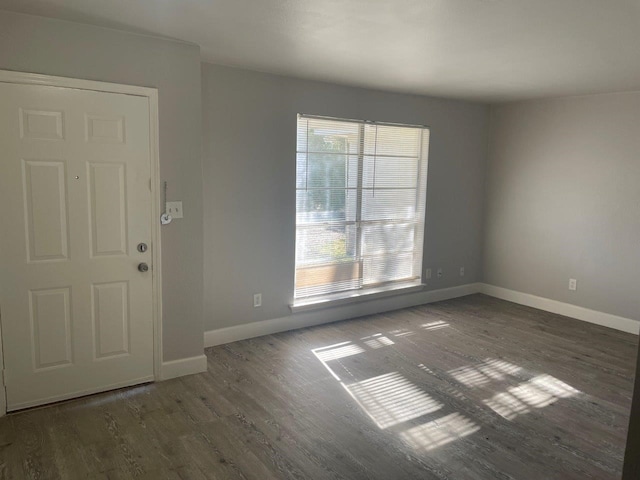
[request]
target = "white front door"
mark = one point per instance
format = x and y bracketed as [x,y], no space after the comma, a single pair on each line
[76,313]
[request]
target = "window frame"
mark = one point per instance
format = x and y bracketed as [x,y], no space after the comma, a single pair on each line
[383,288]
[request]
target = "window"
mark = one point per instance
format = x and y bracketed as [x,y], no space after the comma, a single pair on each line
[361,194]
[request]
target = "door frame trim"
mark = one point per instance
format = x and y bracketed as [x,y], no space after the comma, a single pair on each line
[8,76]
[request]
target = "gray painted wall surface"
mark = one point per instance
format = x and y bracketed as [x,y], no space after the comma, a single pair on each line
[563,190]
[249,126]
[52,47]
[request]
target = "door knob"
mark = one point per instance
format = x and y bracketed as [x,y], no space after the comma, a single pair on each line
[143,267]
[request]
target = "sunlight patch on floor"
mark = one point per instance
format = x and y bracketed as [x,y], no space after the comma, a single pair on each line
[539,392]
[339,350]
[336,352]
[391,399]
[422,366]
[507,405]
[377,341]
[402,332]
[434,325]
[439,432]
[488,371]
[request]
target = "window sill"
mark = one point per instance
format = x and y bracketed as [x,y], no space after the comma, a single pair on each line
[355,297]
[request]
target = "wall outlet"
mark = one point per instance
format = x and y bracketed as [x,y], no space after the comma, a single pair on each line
[439,273]
[573,284]
[427,274]
[257,300]
[174,209]
[462,271]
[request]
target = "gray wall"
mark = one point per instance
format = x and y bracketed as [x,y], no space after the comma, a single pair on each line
[46,46]
[563,191]
[249,125]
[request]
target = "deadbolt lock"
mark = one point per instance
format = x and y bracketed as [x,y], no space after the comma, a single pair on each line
[142,247]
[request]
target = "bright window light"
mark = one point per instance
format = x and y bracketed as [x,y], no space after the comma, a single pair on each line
[360,207]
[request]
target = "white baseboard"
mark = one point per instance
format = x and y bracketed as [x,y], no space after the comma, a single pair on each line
[592,316]
[307,319]
[451,292]
[183,366]
[333,314]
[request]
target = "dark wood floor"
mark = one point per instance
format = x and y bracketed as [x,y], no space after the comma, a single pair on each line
[472,388]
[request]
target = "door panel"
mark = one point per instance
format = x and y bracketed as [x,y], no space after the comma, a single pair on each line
[50,314]
[107,208]
[111,318]
[75,189]
[45,192]
[41,125]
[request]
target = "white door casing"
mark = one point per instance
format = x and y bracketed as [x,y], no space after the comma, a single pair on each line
[78,185]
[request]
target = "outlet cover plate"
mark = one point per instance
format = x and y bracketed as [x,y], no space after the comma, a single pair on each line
[174,209]
[257,300]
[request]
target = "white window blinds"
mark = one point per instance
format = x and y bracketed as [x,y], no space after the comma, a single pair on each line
[360,206]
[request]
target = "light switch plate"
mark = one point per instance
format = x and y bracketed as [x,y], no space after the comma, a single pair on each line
[174,209]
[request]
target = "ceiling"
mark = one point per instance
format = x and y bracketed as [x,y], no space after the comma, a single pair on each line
[487,50]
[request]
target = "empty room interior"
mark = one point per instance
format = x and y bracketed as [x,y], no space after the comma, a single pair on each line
[325,239]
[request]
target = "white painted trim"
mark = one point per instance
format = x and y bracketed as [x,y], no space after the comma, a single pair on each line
[7,76]
[451,292]
[359,296]
[331,314]
[156,234]
[183,366]
[568,310]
